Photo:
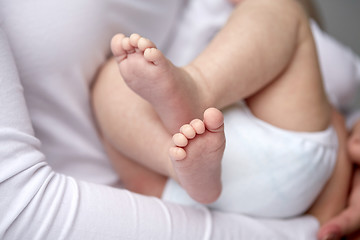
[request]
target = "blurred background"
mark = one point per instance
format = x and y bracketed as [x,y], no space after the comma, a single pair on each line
[340,18]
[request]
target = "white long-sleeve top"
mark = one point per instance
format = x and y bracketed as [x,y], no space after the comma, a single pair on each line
[53,170]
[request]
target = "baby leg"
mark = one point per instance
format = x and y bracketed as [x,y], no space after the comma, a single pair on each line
[135,177]
[134,131]
[278,81]
[274,68]
[128,123]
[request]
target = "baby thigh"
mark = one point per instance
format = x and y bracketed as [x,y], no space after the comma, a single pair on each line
[295,100]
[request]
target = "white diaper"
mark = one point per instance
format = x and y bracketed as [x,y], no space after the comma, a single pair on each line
[268,171]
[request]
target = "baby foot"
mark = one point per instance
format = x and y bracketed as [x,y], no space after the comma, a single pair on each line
[170,89]
[197,155]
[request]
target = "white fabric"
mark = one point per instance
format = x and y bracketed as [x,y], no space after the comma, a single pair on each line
[267,171]
[49,53]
